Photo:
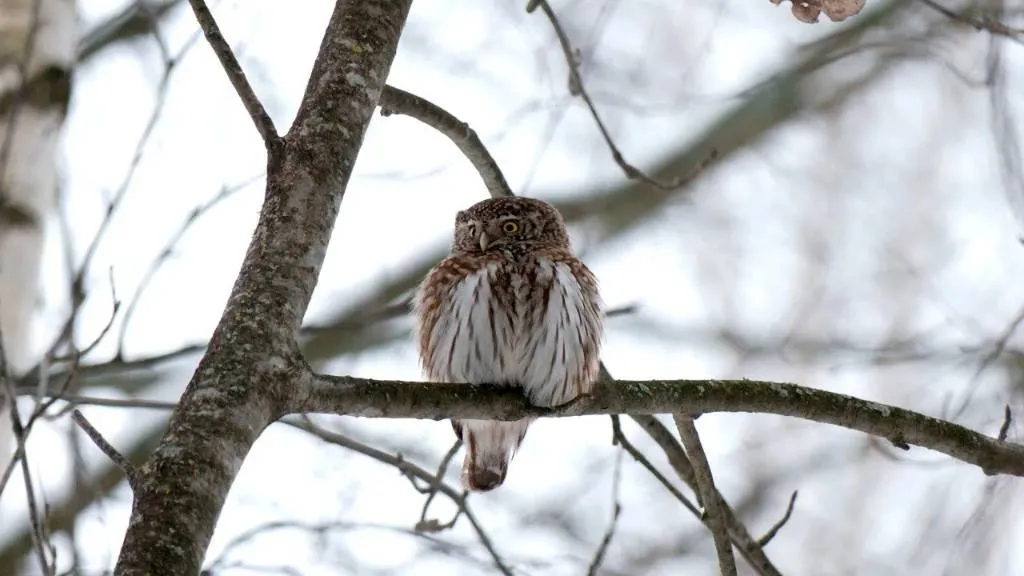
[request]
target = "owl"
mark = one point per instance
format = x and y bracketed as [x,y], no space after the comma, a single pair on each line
[510,306]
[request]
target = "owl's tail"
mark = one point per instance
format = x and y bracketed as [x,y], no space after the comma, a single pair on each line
[490,446]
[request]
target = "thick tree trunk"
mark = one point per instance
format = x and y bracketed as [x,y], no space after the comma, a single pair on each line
[252,368]
[37,45]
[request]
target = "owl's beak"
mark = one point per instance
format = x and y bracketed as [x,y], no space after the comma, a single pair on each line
[485,241]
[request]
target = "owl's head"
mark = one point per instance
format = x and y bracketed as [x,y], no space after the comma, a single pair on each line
[509,224]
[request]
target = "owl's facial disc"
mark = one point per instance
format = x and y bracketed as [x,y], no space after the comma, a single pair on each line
[491,233]
[479,233]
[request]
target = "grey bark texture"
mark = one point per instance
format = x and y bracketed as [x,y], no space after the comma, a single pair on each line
[252,367]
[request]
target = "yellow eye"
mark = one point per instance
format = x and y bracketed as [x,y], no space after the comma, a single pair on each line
[510,227]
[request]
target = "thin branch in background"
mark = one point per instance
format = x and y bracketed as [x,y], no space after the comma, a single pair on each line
[45,398]
[129,470]
[165,254]
[410,470]
[60,516]
[677,458]
[432,525]
[558,112]
[40,541]
[81,481]
[1005,428]
[114,202]
[576,88]
[152,15]
[396,101]
[997,350]
[991,25]
[319,531]
[77,289]
[138,18]
[606,541]
[764,540]
[233,69]
[115,306]
[751,551]
[713,504]
[619,438]
[75,400]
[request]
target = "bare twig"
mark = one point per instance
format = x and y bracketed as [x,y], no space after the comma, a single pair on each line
[77,291]
[62,515]
[233,69]
[998,347]
[221,564]
[606,541]
[129,470]
[576,88]
[162,258]
[135,19]
[115,306]
[432,525]
[413,472]
[677,458]
[1005,428]
[396,101]
[990,25]
[39,539]
[709,493]
[618,437]
[76,400]
[764,540]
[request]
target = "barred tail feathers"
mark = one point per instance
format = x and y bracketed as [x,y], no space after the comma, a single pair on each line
[490,446]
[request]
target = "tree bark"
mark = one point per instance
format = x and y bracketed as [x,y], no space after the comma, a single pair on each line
[252,366]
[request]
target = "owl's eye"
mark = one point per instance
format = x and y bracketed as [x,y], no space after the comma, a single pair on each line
[510,227]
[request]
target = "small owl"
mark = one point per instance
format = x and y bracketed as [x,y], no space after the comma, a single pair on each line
[510,306]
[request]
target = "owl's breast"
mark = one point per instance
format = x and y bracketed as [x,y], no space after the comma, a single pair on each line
[531,324]
[473,339]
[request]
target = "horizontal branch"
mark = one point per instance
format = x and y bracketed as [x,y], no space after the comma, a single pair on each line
[437,401]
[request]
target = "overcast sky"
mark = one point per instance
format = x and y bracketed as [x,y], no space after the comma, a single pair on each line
[881,220]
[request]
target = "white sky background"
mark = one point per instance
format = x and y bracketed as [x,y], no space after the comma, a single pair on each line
[902,185]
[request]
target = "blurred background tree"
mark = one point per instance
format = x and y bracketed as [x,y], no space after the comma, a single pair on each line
[859,232]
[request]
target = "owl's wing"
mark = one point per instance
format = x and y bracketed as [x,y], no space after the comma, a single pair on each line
[589,329]
[433,300]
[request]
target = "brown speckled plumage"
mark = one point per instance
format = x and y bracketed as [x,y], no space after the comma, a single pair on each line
[510,306]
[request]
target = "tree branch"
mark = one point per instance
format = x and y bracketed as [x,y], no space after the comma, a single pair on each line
[437,401]
[397,101]
[116,457]
[234,71]
[252,365]
[774,530]
[708,492]
[749,548]
[577,88]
